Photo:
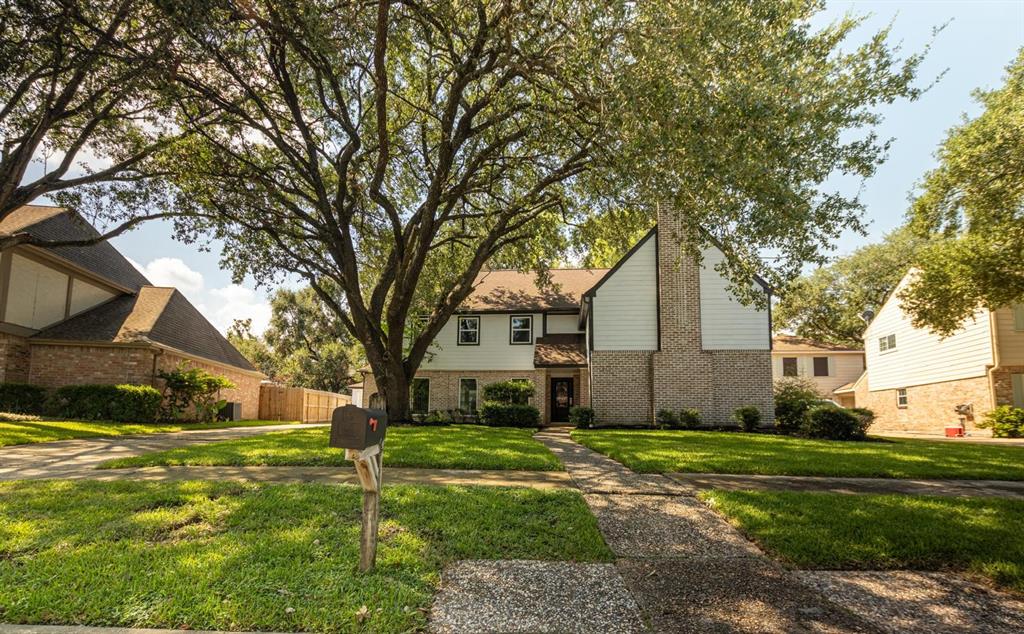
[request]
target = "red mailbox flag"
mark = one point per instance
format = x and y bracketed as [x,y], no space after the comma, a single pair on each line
[373,424]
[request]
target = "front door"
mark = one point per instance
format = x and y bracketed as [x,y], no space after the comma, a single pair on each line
[561,399]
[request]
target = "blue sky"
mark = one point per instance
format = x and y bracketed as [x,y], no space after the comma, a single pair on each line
[979,41]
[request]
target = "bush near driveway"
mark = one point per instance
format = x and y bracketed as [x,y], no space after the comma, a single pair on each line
[448,447]
[21,398]
[121,403]
[836,531]
[651,451]
[237,556]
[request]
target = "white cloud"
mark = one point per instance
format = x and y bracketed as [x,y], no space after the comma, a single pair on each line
[229,303]
[173,272]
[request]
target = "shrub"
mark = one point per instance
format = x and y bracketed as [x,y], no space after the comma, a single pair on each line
[11,417]
[497,414]
[123,403]
[191,393]
[22,398]
[667,418]
[1004,421]
[865,416]
[748,417]
[437,417]
[831,423]
[514,391]
[582,417]
[689,418]
[793,397]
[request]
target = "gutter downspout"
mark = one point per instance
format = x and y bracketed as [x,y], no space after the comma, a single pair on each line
[996,359]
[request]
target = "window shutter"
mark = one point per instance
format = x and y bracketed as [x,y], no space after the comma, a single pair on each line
[1018,390]
[1018,317]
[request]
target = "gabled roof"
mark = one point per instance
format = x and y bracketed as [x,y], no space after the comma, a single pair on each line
[790,343]
[57,223]
[157,315]
[504,291]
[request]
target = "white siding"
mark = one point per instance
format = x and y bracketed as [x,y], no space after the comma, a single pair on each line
[563,324]
[85,296]
[726,324]
[1010,335]
[625,307]
[494,352]
[843,368]
[37,295]
[920,356]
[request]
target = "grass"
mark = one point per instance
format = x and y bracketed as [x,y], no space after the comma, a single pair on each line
[725,452]
[24,432]
[244,556]
[449,447]
[980,536]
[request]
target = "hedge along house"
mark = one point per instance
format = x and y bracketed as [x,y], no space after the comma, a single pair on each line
[81,315]
[658,330]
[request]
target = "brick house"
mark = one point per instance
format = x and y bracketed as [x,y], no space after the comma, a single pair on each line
[658,330]
[832,368]
[915,379]
[79,315]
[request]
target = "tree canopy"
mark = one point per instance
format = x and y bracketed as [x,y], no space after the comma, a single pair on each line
[974,202]
[386,151]
[827,305]
[83,110]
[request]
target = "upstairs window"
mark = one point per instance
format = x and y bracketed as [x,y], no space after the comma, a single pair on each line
[789,367]
[887,343]
[469,331]
[820,366]
[520,329]
[901,398]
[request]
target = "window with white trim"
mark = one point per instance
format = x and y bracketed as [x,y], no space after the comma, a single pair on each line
[469,331]
[467,395]
[520,330]
[901,398]
[887,343]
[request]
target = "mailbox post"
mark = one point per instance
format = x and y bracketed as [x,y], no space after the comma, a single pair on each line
[360,432]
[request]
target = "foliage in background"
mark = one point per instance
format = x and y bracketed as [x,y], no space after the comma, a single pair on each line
[516,391]
[793,397]
[22,398]
[386,152]
[192,393]
[689,418]
[829,422]
[667,418]
[827,304]
[498,414]
[1004,421]
[123,403]
[747,417]
[974,202]
[304,344]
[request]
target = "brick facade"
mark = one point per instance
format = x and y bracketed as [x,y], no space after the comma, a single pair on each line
[14,359]
[620,386]
[1002,384]
[55,365]
[929,407]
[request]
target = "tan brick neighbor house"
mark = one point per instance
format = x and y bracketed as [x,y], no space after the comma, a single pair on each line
[78,315]
[832,368]
[655,331]
[915,379]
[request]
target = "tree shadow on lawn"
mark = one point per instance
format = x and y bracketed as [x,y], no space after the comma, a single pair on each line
[221,555]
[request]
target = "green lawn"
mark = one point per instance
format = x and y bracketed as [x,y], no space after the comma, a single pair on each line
[833,531]
[725,452]
[232,556]
[33,431]
[449,447]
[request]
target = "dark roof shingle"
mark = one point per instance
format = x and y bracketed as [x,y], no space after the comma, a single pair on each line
[515,290]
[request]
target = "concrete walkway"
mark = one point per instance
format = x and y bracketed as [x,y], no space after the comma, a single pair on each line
[64,458]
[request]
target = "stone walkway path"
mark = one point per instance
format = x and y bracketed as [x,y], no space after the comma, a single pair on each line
[688,570]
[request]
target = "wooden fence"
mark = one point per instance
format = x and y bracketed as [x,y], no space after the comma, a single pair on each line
[299,403]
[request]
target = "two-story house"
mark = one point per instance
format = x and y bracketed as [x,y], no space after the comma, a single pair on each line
[657,330]
[831,368]
[916,380]
[83,314]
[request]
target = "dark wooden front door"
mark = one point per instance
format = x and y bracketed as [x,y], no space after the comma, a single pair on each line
[561,399]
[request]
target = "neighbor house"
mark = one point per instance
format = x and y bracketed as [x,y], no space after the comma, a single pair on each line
[831,368]
[657,330]
[79,315]
[918,381]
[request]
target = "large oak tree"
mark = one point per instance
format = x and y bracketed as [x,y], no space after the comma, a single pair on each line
[387,151]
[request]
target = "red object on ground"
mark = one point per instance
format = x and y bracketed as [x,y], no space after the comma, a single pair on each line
[955,432]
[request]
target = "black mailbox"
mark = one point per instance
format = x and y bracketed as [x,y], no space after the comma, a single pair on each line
[357,428]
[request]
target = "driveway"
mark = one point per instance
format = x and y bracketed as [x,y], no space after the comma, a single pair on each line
[63,458]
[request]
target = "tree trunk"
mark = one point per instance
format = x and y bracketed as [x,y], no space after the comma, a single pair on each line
[393,386]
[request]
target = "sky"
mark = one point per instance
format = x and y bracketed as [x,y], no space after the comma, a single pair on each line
[979,40]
